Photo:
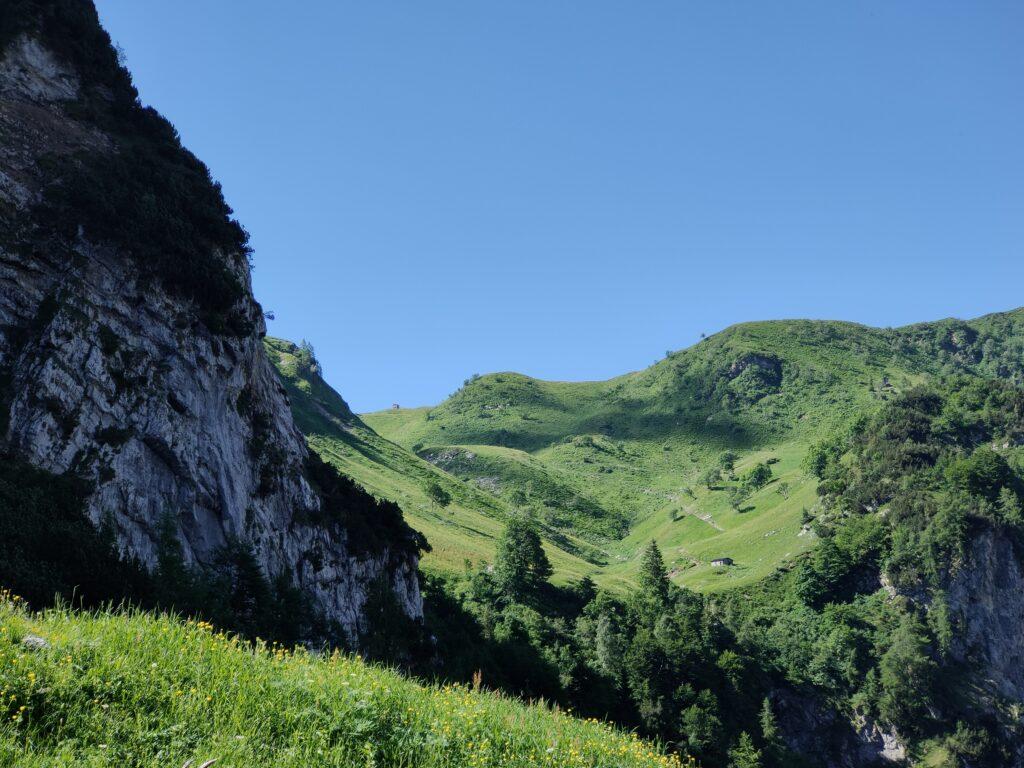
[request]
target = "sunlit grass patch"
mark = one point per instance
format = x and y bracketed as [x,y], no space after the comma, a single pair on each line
[128,688]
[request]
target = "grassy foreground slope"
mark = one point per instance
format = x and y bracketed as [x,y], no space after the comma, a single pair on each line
[464,528]
[134,689]
[597,460]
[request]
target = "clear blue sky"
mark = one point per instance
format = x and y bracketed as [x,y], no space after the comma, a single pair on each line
[571,189]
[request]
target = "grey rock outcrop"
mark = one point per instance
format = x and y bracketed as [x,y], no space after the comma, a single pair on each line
[986,602]
[109,375]
[811,727]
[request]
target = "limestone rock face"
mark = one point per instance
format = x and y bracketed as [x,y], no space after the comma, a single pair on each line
[811,727]
[986,601]
[107,374]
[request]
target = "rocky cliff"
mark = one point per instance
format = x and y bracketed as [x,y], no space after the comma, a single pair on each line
[983,595]
[985,599]
[130,342]
[986,603]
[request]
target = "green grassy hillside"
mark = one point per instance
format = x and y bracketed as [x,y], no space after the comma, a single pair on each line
[133,689]
[464,528]
[619,462]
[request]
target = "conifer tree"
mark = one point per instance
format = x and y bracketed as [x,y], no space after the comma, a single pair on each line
[1010,507]
[520,565]
[653,580]
[744,754]
[769,727]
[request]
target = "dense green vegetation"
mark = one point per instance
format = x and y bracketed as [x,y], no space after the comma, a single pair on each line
[373,525]
[658,658]
[157,203]
[938,458]
[71,30]
[905,492]
[49,547]
[133,689]
[148,196]
[901,493]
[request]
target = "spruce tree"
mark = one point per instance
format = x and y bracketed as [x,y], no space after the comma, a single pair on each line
[744,754]
[1010,507]
[769,727]
[586,590]
[653,580]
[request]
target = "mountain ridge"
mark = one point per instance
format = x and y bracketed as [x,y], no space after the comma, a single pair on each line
[1010,314]
[784,384]
[765,390]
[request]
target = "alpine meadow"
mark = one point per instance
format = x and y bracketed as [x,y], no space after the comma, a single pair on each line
[791,544]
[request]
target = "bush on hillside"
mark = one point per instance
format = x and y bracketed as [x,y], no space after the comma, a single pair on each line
[374,525]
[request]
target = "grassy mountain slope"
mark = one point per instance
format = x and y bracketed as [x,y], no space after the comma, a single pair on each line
[465,528]
[594,459]
[132,689]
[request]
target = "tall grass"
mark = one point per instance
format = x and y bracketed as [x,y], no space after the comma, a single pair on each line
[126,688]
